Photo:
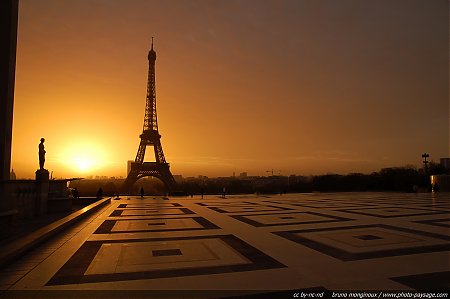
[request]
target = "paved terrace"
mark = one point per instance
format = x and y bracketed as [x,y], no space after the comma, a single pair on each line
[340,241]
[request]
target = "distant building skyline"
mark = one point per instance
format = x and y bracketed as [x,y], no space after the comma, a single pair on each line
[444,162]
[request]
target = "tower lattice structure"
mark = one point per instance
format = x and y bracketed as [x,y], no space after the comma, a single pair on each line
[150,137]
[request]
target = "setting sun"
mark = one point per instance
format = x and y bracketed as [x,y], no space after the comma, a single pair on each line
[84,157]
[83,163]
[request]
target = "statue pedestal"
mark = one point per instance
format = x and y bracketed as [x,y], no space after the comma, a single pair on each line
[42,175]
[42,186]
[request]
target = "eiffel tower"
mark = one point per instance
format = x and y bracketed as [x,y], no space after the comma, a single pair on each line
[150,137]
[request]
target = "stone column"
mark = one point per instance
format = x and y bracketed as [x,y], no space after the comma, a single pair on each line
[8,40]
[42,186]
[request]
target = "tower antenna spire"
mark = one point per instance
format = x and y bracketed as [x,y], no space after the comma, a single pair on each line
[152,42]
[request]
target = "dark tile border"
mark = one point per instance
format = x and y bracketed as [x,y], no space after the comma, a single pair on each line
[348,256]
[336,205]
[368,237]
[72,272]
[426,282]
[149,206]
[107,225]
[255,223]
[118,213]
[441,206]
[228,203]
[279,202]
[166,252]
[426,212]
[274,208]
[435,222]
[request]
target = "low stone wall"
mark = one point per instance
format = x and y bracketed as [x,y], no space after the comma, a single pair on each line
[21,196]
[23,199]
[17,201]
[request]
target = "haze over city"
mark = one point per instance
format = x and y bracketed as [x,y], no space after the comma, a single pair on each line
[300,87]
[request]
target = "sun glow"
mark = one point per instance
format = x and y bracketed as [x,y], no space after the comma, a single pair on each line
[83,163]
[84,158]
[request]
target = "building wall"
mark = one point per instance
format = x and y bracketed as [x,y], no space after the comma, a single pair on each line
[445,162]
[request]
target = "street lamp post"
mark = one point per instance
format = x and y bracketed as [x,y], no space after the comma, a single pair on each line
[425,162]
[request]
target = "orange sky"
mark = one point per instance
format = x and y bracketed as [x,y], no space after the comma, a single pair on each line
[300,87]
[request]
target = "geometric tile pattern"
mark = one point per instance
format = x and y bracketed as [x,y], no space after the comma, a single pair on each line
[225,204]
[252,208]
[259,244]
[368,241]
[445,222]
[291,218]
[148,205]
[98,261]
[390,212]
[154,225]
[330,205]
[150,212]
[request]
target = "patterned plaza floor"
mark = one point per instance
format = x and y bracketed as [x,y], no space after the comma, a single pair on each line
[342,241]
